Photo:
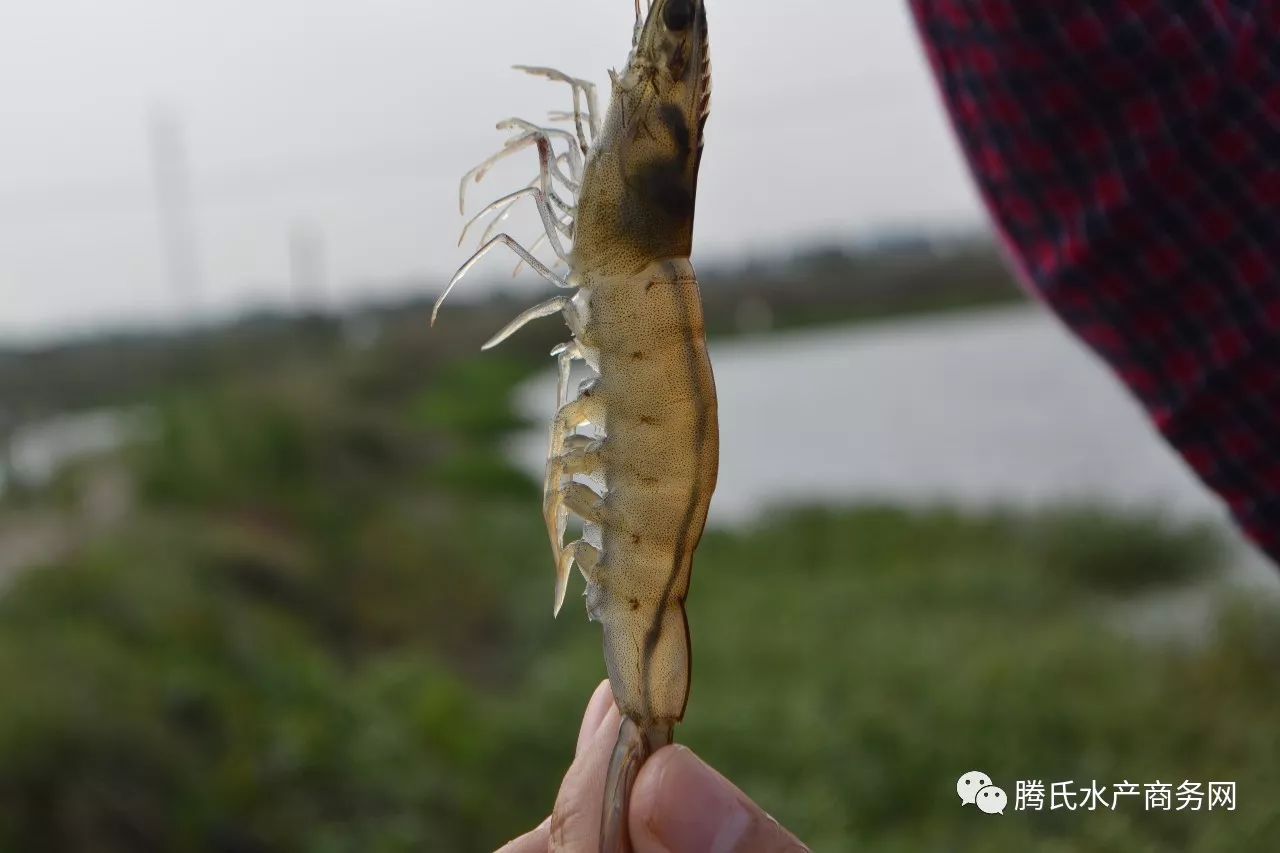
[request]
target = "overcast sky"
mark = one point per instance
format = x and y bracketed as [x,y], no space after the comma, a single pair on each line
[354,119]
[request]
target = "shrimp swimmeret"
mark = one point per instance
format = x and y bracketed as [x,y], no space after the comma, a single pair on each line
[626,204]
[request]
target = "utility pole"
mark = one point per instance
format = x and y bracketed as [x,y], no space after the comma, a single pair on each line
[307,272]
[171,173]
[8,426]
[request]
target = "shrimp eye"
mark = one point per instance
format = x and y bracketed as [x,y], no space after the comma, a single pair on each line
[678,15]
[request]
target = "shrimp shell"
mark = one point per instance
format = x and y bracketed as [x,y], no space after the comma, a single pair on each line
[635,314]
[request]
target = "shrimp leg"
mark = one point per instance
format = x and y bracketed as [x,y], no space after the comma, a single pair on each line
[573,153]
[588,90]
[512,146]
[565,354]
[554,305]
[554,511]
[506,240]
[549,221]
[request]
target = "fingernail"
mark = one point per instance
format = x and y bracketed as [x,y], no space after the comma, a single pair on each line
[696,808]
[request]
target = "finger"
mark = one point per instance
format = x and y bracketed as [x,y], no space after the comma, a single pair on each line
[600,702]
[679,804]
[534,841]
[539,840]
[575,820]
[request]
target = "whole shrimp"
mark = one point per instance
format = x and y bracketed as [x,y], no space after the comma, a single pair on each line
[635,315]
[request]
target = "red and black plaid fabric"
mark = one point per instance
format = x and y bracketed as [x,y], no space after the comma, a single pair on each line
[1129,152]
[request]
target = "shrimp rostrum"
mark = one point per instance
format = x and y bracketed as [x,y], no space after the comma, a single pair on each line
[620,222]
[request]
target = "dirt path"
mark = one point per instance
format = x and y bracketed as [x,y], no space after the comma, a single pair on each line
[28,540]
[37,537]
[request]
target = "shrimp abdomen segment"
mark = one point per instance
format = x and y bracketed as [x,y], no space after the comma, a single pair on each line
[662,446]
[646,652]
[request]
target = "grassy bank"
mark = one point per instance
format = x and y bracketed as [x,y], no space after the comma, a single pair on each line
[325,626]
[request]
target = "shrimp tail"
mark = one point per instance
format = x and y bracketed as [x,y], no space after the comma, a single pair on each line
[634,746]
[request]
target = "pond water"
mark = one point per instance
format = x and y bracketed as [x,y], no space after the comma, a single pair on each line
[981,409]
[39,449]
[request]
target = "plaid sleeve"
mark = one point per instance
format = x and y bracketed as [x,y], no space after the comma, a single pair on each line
[1129,153]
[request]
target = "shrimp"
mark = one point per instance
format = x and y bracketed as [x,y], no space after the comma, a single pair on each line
[633,307]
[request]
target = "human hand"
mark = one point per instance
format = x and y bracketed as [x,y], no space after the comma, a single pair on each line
[678,805]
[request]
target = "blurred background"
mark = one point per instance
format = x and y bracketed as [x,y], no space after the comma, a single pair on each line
[272,573]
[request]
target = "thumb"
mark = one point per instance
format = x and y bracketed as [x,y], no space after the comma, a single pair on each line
[681,805]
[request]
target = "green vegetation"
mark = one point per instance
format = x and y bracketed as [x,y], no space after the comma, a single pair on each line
[825,285]
[324,625]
